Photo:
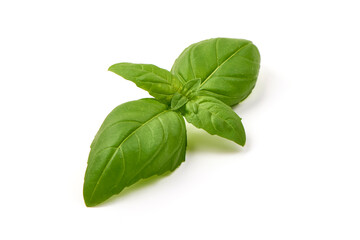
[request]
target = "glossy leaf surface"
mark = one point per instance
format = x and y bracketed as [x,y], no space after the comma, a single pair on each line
[160,83]
[137,140]
[215,117]
[228,68]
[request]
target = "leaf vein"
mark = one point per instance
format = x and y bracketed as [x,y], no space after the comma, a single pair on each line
[213,72]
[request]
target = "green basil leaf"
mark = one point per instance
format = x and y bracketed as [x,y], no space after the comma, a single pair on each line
[215,117]
[228,68]
[137,140]
[191,87]
[178,101]
[160,83]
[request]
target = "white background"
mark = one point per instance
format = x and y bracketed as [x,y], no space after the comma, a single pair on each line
[296,178]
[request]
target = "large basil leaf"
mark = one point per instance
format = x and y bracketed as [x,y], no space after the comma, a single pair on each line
[160,83]
[215,117]
[228,68]
[137,140]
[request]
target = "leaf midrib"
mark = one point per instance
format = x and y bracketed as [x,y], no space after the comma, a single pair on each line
[232,55]
[225,120]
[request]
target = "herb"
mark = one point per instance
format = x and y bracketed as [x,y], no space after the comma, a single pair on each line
[147,137]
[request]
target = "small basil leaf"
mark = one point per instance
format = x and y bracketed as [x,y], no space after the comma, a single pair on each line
[178,101]
[160,83]
[228,68]
[215,117]
[137,140]
[191,87]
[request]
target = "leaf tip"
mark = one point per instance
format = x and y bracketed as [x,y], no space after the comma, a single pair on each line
[89,204]
[87,198]
[242,143]
[241,140]
[91,197]
[92,200]
[111,68]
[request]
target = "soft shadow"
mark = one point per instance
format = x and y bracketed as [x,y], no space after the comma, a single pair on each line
[201,141]
[143,183]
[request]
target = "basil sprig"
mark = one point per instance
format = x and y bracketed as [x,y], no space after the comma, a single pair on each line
[147,137]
